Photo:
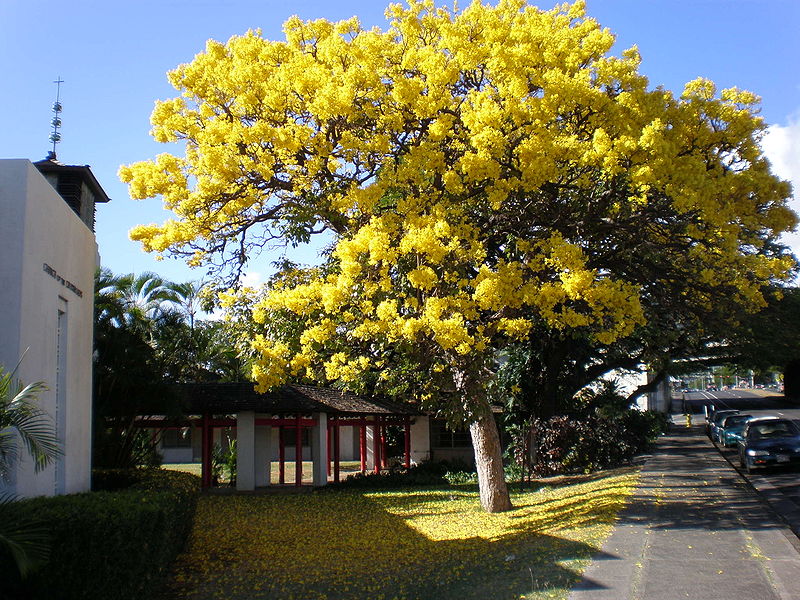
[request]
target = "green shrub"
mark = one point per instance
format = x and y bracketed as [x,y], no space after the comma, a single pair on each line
[461,477]
[569,444]
[107,544]
[109,480]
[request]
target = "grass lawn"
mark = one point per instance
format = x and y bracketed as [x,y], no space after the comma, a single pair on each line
[420,543]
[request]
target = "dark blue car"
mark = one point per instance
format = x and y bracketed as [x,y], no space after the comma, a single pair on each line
[769,442]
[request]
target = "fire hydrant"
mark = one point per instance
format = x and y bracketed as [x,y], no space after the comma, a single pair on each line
[688,419]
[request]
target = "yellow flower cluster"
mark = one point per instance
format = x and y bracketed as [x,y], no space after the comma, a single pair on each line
[423,145]
[271,368]
[413,280]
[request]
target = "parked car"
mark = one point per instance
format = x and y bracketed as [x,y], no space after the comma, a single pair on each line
[769,442]
[729,431]
[714,418]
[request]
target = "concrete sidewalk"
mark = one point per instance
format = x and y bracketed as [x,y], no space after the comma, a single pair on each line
[694,529]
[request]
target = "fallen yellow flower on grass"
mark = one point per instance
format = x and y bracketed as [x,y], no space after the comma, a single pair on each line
[411,543]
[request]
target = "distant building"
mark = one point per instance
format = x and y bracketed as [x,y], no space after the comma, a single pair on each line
[48,258]
[658,399]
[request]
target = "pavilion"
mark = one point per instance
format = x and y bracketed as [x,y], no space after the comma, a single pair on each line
[333,421]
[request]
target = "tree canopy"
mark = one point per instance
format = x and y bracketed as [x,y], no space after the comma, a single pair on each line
[492,175]
[770,338]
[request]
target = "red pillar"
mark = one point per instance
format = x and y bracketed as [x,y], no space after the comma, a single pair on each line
[206,440]
[335,449]
[281,456]
[407,442]
[384,453]
[298,452]
[376,445]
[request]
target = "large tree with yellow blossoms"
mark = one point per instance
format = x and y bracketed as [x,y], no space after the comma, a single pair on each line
[480,169]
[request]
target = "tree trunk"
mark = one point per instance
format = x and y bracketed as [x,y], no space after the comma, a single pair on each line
[489,462]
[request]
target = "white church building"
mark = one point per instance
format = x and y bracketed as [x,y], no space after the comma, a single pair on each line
[48,258]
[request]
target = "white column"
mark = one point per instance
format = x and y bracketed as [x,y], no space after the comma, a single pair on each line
[246,451]
[370,448]
[420,440]
[319,454]
[263,464]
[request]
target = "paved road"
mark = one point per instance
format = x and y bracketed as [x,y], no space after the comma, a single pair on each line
[740,399]
[781,484]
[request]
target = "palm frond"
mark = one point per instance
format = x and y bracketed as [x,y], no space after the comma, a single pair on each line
[32,424]
[20,414]
[8,453]
[27,542]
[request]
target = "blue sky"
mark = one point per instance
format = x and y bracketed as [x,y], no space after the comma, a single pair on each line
[113,56]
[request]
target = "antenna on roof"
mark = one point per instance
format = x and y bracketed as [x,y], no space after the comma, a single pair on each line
[55,137]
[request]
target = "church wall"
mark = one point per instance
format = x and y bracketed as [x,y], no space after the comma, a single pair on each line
[48,259]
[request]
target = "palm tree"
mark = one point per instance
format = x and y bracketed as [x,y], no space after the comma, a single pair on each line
[22,420]
[147,295]
[21,417]
[134,301]
[195,349]
[189,300]
[129,373]
[147,336]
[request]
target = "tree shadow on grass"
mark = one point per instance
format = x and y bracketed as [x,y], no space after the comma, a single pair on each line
[372,545]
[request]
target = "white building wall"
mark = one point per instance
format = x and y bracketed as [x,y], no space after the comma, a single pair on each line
[290,453]
[349,448]
[48,258]
[176,455]
[420,440]
[659,400]
[628,381]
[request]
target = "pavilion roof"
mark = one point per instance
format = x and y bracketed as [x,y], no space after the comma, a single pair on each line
[228,398]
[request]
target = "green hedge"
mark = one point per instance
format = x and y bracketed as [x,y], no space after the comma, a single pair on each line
[580,444]
[107,544]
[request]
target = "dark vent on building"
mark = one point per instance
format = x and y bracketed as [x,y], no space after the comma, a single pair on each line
[77,185]
[70,187]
